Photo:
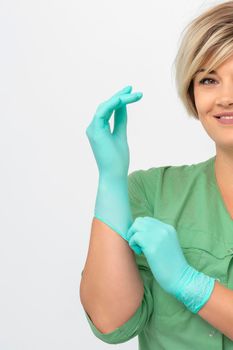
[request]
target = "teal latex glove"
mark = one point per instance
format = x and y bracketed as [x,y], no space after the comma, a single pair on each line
[159,243]
[111,153]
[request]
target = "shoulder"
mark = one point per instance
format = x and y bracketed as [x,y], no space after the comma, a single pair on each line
[147,179]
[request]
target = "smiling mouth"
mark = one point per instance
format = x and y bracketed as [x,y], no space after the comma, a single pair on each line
[225,121]
[224,118]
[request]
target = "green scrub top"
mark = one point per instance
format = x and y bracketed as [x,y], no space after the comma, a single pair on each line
[188,198]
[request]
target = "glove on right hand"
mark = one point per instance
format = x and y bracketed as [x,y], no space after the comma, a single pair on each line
[111,150]
[111,153]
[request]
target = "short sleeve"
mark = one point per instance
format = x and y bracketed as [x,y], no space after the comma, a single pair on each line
[131,328]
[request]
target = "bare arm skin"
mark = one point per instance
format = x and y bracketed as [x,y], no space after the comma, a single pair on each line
[111,287]
[218,311]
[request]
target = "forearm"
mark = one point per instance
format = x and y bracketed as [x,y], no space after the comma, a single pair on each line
[111,288]
[218,311]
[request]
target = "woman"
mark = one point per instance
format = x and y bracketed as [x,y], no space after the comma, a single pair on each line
[159,263]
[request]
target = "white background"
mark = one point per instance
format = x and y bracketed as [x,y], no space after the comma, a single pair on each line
[58,60]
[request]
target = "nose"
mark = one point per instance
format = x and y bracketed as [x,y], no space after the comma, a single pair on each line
[225,96]
[225,102]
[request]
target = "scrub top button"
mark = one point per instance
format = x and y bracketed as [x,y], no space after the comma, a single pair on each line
[212,332]
[230,250]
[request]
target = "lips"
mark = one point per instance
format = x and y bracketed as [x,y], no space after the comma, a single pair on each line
[222,118]
[227,114]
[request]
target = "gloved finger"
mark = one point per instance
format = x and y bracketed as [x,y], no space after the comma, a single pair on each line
[120,115]
[136,249]
[131,231]
[105,110]
[135,241]
[126,89]
[131,98]
[120,122]
[137,225]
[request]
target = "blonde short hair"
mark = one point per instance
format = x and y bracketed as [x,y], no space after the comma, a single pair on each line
[207,38]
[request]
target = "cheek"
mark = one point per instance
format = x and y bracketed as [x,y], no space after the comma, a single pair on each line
[203,100]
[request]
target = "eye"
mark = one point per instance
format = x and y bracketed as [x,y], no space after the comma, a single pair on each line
[203,80]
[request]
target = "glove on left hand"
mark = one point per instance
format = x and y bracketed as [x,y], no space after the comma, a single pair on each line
[159,243]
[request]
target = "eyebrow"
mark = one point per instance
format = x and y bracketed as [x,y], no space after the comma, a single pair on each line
[204,69]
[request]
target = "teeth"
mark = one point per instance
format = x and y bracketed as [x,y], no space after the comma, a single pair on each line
[226,117]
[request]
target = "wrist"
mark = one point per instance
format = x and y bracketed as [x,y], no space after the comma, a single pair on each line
[194,289]
[112,204]
[111,179]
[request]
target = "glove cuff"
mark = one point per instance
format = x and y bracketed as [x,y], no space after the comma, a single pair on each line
[112,205]
[195,289]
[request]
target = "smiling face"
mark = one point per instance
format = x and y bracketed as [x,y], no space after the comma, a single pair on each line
[214,94]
